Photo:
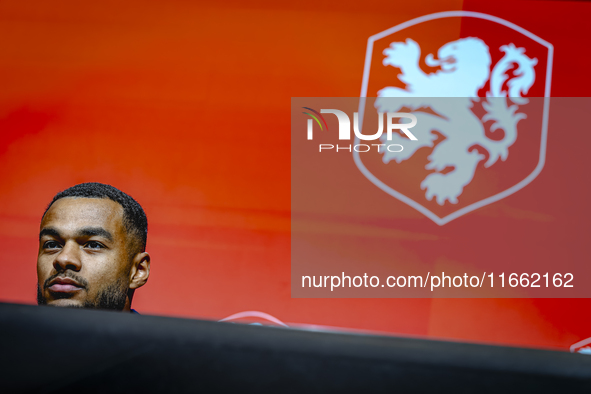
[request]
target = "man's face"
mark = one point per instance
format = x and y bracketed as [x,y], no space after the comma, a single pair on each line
[84,259]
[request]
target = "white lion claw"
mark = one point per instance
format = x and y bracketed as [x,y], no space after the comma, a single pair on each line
[436,185]
[401,53]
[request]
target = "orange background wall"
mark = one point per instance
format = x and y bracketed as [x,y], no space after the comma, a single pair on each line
[186,106]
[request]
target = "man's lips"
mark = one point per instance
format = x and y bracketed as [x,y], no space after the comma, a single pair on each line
[64,285]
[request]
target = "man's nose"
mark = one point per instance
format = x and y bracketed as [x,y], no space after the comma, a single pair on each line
[68,258]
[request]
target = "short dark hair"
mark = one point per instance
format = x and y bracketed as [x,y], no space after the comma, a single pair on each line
[134,217]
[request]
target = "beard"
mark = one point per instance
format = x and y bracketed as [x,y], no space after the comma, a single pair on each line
[112,297]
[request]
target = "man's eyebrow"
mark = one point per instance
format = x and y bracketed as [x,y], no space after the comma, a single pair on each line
[52,232]
[94,231]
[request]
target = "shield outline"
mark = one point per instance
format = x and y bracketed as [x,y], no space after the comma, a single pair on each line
[488,200]
[580,344]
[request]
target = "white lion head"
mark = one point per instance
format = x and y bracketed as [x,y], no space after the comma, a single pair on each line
[468,57]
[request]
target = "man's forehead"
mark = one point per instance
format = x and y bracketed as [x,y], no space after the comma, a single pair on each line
[71,213]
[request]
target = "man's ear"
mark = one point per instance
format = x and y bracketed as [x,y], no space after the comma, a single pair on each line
[140,270]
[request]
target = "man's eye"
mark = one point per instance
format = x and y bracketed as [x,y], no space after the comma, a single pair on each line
[51,245]
[94,245]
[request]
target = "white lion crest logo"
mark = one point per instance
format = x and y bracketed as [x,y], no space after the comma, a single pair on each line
[464,70]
